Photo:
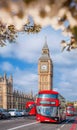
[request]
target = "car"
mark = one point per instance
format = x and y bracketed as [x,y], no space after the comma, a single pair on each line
[14,112]
[23,112]
[4,114]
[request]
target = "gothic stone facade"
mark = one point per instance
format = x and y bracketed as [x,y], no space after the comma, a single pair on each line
[9,98]
[45,70]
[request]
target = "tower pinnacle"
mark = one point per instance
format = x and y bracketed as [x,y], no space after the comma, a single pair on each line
[45,44]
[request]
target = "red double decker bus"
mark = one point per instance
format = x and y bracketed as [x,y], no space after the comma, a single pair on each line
[70,110]
[50,106]
[31,108]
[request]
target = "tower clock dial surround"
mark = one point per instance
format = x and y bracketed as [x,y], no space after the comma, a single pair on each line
[44,67]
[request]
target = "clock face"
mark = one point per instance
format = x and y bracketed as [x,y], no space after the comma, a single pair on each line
[43,67]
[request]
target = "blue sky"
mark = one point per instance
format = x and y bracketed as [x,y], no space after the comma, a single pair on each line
[21,60]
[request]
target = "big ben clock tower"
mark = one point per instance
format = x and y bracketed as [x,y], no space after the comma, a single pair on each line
[45,70]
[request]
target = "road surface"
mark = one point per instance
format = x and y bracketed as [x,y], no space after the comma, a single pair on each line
[30,123]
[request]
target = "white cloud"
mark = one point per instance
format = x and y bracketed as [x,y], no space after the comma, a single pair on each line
[67,78]
[6,66]
[27,50]
[25,81]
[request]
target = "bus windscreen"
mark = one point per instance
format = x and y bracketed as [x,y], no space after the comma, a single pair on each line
[47,111]
[48,96]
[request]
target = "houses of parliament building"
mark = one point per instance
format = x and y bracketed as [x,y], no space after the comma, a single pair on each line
[10,98]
